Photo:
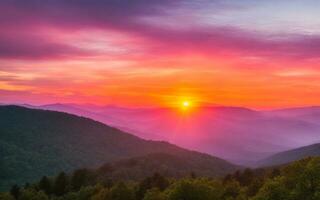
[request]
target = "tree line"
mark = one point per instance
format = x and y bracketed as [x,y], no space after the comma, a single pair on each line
[297,181]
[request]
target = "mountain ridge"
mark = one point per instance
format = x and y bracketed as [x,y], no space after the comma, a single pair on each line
[289,156]
[240,135]
[34,143]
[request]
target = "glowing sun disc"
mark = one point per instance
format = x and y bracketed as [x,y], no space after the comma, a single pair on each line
[185,104]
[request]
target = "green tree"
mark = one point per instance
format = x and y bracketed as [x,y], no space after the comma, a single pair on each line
[103,194]
[303,178]
[60,184]
[246,177]
[121,192]
[30,194]
[79,178]
[86,193]
[26,185]
[195,190]
[155,181]
[6,196]
[227,178]
[275,172]
[15,191]
[253,188]
[45,185]
[273,189]
[231,190]
[154,194]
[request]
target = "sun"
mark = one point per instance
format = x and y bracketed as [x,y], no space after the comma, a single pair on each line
[185,104]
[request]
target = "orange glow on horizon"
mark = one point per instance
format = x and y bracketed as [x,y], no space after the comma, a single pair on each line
[155,59]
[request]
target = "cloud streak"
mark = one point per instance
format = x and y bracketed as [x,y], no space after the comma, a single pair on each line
[126,16]
[83,44]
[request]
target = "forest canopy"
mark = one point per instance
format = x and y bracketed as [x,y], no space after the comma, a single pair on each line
[296,181]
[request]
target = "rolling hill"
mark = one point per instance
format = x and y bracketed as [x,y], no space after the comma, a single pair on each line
[311,114]
[169,165]
[240,135]
[34,143]
[290,155]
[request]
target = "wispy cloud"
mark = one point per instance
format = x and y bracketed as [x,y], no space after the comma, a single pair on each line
[80,44]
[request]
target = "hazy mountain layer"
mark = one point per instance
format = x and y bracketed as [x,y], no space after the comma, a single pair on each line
[34,143]
[238,134]
[291,155]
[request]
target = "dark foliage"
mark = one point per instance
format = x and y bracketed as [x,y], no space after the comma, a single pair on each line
[156,181]
[15,191]
[60,184]
[297,181]
[45,185]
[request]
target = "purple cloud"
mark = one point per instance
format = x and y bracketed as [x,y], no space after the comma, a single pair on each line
[125,16]
[27,46]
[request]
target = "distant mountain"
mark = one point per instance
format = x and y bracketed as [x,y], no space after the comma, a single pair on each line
[34,143]
[311,114]
[237,134]
[290,156]
[74,109]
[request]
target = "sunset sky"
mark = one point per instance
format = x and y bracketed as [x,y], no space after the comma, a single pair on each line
[258,54]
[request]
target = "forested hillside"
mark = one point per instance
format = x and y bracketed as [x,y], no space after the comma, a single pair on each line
[291,155]
[34,143]
[297,181]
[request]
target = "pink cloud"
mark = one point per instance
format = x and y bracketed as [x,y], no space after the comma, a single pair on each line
[125,17]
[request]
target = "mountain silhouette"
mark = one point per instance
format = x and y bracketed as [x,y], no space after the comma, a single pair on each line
[34,143]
